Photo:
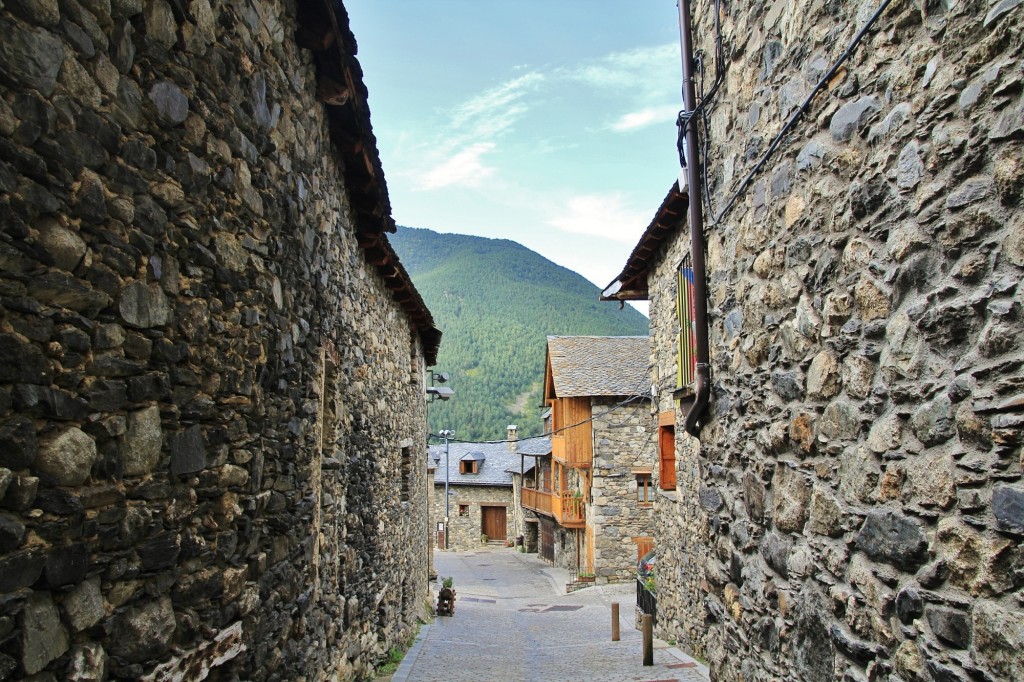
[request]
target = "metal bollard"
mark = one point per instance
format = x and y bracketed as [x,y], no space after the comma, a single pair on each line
[615,621]
[648,626]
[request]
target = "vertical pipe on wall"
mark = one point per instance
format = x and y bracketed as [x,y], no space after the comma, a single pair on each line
[692,420]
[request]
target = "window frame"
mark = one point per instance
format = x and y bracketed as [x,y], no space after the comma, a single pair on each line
[644,489]
[667,450]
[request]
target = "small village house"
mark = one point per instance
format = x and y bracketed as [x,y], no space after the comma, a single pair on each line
[592,494]
[480,505]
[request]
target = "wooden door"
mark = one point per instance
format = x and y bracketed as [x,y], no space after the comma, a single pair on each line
[547,540]
[493,522]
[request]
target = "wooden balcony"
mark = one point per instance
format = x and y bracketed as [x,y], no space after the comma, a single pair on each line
[576,457]
[539,500]
[570,510]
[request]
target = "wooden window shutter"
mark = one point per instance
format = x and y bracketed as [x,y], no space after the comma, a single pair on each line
[686,343]
[643,546]
[667,451]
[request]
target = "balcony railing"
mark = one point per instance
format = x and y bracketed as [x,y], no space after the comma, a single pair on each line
[538,500]
[646,600]
[576,458]
[570,510]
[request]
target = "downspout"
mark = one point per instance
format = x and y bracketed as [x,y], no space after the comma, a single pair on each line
[692,422]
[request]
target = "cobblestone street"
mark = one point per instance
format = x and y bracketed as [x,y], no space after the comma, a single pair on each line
[514,622]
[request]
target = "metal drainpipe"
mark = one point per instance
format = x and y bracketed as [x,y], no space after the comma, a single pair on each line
[700,293]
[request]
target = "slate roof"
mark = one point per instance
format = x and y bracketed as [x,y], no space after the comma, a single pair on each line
[540,445]
[495,469]
[324,30]
[599,365]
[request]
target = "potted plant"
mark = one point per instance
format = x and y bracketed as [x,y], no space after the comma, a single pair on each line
[586,577]
[483,538]
[649,583]
[446,598]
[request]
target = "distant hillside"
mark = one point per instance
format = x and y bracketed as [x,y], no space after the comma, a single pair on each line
[496,302]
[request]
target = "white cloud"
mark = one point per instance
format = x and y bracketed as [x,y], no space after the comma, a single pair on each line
[603,215]
[463,168]
[635,120]
[644,68]
[454,150]
[493,111]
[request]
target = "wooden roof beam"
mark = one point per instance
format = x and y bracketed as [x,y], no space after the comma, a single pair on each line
[331,92]
[317,38]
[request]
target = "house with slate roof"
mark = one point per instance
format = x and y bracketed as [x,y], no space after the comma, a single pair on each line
[592,493]
[480,502]
[532,452]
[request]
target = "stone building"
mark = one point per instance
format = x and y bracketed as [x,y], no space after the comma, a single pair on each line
[593,493]
[525,521]
[853,508]
[212,408]
[480,502]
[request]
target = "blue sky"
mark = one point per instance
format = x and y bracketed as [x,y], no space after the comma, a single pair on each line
[548,123]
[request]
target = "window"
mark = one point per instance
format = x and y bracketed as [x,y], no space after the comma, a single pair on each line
[414,359]
[330,402]
[469,466]
[643,546]
[406,472]
[667,450]
[644,494]
[686,361]
[463,510]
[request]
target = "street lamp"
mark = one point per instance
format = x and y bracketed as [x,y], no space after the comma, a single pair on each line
[439,392]
[447,435]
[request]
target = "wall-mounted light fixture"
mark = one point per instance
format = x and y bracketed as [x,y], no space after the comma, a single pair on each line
[439,392]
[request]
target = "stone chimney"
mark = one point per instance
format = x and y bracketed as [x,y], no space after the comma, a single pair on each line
[513,437]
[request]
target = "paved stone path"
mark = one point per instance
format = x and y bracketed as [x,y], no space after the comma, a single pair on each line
[513,622]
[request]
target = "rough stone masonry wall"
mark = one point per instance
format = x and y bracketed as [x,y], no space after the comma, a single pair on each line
[177,267]
[625,438]
[464,531]
[854,509]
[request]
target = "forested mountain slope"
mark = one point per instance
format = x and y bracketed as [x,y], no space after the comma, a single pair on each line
[496,301]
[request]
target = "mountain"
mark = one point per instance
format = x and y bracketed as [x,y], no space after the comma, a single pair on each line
[496,302]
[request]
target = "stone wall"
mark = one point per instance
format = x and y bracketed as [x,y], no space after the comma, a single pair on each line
[464,531]
[625,440]
[524,521]
[854,508]
[211,408]
[569,547]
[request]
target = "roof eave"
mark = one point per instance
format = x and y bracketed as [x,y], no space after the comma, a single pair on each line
[631,283]
[324,30]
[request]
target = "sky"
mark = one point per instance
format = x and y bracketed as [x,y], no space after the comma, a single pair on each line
[551,123]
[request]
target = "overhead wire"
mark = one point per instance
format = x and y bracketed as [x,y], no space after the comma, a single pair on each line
[706,99]
[798,113]
[629,399]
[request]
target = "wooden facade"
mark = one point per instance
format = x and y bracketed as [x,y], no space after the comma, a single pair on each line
[560,488]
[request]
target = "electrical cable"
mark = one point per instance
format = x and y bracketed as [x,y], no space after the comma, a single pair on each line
[800,110]
[629,399]
[684,117]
